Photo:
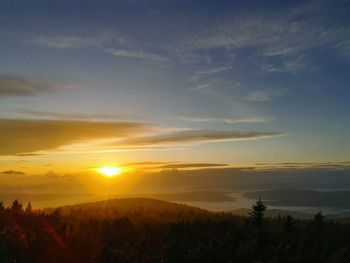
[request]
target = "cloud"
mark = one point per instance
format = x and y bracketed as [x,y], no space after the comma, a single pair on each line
[77,116]
[194,136]
[210,71]
[144,163]
[288,65]
[64,41]
[28,154]
[23,136]
[225,120]
[13,85]
[245,31]
[282,34]
[172,165]
[13,172]
[107,42]
[279,39]
[210,86]
[265,95]
[137,54]
[343,48]
[203,88]
[190,165]
[304,165]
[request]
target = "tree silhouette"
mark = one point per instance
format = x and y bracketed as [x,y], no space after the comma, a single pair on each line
[289,223]
[2,207]
[29,208]
[16,206]
[318,220]
[257,214]
[140,235]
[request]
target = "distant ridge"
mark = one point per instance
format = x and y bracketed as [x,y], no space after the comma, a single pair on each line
[136,209]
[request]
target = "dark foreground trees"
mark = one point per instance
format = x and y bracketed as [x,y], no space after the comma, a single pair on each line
[256,216]
[32,236]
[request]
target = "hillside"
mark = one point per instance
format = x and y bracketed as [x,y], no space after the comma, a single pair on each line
[136,209]
[141,209]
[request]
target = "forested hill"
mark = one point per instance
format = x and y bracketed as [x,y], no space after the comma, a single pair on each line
[135,209]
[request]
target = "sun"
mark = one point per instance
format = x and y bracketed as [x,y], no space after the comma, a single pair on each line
[110,171]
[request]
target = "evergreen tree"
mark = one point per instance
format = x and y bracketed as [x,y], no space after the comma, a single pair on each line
[29,208]
[318,220]
[16,206]
[289,223]
[257,214]
[2,207]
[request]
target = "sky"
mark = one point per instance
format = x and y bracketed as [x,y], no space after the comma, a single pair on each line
[175,84]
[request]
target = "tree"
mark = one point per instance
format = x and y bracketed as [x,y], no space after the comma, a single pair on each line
[29,208]
[257,214]
[2,207]
[318,220]
[289,223]
[16,206]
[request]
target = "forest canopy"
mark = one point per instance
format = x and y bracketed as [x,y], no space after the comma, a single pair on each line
[147,230]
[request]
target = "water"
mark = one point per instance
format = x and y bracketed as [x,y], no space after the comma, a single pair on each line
[243,202]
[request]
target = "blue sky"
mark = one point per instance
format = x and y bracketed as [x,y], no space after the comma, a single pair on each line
[214,81]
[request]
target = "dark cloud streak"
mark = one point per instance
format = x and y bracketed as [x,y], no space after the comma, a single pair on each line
[190,165]
[18,136]
[14,85]
[13,172]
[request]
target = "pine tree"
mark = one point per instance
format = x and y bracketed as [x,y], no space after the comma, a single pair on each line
[16,206]
[318,220]
[29,208]
[289,223]
[2,207]
[257,214]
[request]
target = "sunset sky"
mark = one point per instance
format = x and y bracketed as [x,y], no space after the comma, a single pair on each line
[181,84]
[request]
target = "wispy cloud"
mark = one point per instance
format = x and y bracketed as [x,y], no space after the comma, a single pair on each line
[288,65]
[19,136]
[343,48]
[14,85]
[203,88]
[211,85]
[210,71]
[193,136]
[190,165]
[265,94]
[64,41]
[114,45]
[280,41]
[77,116]
[145,163]
[226,120]
[137,54]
